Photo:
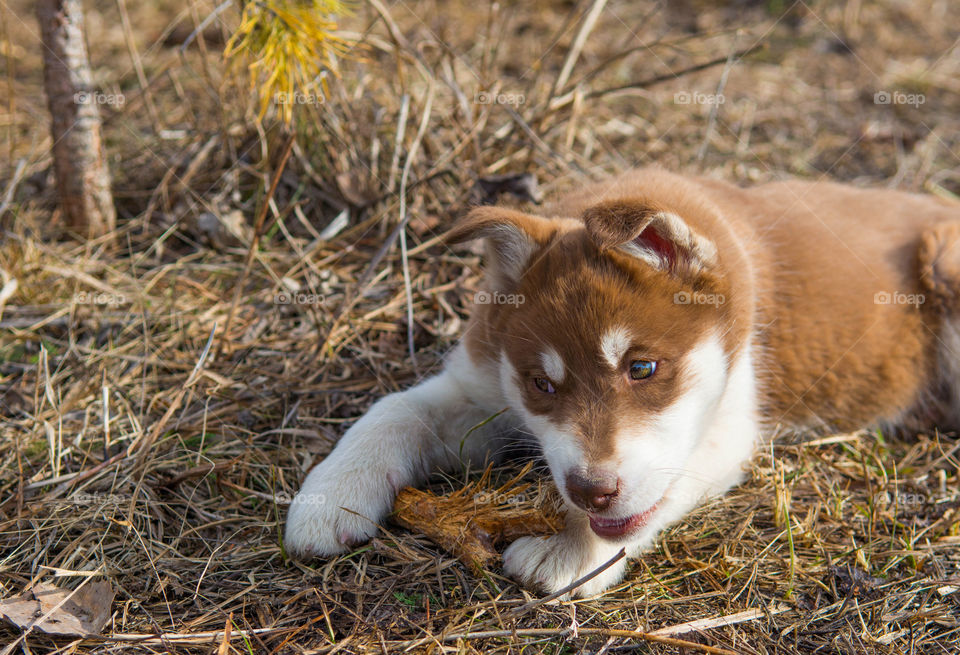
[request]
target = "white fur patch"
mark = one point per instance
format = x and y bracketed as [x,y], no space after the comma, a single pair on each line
[614,345]
[400,439]
[553,364]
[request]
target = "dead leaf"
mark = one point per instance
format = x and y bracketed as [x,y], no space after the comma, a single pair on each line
[79,614]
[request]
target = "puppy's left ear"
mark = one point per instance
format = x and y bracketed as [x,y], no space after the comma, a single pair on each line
[511,238]
[651,233]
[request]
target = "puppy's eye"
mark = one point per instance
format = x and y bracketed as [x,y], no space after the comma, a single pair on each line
[544,385]
[641,369]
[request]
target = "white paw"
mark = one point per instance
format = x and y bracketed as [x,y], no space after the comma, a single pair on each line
[339,507]
[552,563]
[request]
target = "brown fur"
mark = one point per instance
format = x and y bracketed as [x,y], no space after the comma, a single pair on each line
[799,265]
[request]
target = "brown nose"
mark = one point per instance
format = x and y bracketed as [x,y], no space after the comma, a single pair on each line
[592,491]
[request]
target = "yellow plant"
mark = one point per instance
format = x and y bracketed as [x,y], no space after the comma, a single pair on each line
[289,44]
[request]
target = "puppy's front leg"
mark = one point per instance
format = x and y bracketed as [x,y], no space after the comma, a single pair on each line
[554,562]
[398,442]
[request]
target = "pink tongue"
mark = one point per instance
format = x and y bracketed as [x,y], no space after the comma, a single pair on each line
[613,527]
[618,527]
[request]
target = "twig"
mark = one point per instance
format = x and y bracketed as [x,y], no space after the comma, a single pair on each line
[138,65]
[404,217]
[201,637]
[566,99]
[203,25]
[398,142]
[10,285]
[12,185]
[80,477]
[578,42]
[622,54]
[197,471]
[715,107]
[719,621]
[666,77]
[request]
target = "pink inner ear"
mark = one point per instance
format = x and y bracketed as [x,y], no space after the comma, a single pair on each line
[649,239]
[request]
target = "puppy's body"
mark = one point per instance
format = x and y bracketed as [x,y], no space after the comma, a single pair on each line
[666,325]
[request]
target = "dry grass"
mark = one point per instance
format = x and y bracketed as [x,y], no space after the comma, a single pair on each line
[125,451]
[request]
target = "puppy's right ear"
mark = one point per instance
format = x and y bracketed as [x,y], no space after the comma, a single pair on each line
[512,238]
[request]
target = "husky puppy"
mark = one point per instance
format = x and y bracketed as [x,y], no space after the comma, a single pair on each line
[648,331]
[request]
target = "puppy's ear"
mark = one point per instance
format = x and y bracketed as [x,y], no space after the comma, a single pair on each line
[512,238]
[657,236]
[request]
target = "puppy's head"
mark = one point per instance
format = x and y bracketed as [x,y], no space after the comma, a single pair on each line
[609,331]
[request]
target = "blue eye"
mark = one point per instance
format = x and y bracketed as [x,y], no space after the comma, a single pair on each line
[544,385]
[641,369]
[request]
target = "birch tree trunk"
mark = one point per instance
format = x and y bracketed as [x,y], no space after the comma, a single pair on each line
[83,179]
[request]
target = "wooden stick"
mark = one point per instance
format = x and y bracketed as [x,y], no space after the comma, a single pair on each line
[719,621]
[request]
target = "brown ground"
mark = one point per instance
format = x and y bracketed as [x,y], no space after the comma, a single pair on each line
[856,536]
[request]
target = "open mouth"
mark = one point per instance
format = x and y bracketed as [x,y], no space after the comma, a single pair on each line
[614,528]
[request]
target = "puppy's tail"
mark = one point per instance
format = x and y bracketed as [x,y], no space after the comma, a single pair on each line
[938,258]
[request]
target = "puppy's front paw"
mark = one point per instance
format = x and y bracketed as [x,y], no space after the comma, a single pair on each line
[551,563]
[338,507]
